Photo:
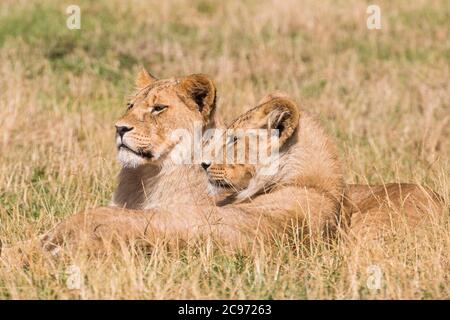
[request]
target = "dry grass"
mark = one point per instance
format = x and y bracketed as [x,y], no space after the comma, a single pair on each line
[383,94]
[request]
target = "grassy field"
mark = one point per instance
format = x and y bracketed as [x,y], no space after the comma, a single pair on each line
[384,95]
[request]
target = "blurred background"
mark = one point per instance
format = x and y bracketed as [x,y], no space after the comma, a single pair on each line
[383,94]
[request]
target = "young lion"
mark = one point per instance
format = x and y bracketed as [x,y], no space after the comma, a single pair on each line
[375,208]
[149,177]
[307,170]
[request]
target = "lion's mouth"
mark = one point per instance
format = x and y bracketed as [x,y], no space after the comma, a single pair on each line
[143,154]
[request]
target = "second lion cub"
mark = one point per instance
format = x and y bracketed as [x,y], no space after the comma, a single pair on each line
[308,173]
[308,161]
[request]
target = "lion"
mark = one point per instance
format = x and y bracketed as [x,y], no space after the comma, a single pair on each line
[374,209]
[149,177]
[309,170]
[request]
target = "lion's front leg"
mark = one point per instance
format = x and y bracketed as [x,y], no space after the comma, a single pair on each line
[96,229]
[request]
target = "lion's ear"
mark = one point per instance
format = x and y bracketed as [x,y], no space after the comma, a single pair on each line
[201,89]
[144,78]
[283,116]
[279,113]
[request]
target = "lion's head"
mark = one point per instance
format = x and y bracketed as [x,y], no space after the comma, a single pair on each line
[245,136]
[143,133]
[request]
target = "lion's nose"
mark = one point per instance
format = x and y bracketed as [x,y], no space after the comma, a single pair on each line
[206,164]
[121,130]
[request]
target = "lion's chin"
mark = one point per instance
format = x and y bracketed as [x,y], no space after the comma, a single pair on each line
[129,159]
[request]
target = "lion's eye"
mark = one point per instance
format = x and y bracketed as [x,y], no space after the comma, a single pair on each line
[130,105]
[157,108]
